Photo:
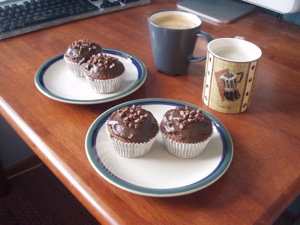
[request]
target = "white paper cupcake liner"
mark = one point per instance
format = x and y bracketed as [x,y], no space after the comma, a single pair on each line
[131,150]
[105,86]
[184,150]
[75,68]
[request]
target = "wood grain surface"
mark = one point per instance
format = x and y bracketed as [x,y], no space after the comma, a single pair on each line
[264,176]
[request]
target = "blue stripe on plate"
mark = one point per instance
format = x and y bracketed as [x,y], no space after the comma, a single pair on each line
[141,69]
[217,173]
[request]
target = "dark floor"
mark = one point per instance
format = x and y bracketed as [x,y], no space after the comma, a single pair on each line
[37,197]
[287,220]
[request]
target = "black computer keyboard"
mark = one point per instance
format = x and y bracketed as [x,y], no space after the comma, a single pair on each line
[19,17]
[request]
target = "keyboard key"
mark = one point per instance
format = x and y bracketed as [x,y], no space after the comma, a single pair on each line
[32,15]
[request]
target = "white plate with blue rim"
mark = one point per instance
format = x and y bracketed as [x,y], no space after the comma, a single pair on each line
[54,80]
[158,173]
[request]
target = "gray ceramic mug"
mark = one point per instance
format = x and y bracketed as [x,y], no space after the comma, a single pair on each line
[173,35]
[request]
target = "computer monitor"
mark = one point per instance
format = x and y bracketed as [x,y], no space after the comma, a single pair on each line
[226,11]
[280,6]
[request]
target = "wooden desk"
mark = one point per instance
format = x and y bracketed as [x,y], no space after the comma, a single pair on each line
[264,176]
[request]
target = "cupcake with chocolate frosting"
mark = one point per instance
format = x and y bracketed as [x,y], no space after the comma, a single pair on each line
[78,53]
[185,131]
[132,130]
[104,73]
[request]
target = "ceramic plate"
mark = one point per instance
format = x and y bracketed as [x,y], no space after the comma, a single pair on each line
[55,81]
[158,173]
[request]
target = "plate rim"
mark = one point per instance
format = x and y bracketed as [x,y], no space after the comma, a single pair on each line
[218,172]
[39,81]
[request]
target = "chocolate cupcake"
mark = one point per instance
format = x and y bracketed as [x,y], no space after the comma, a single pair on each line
[104,73]
[78,53]
[185,131]
[132,130]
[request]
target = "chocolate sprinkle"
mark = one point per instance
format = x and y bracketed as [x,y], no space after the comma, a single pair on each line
[132,116]
[189,116]
[102,62]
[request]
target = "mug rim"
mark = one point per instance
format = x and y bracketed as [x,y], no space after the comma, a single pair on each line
[215,44]
[199,21]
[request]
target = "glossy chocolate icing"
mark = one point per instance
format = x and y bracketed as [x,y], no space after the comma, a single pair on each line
[102,66]
[80,51]
[186,125]
[132,124]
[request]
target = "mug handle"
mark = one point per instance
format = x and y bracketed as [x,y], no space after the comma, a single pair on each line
[208,38]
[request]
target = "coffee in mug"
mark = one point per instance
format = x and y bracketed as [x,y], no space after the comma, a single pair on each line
[175,22]
[173,36]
